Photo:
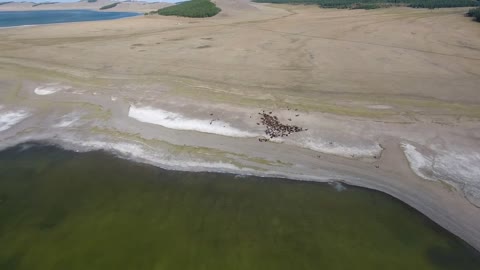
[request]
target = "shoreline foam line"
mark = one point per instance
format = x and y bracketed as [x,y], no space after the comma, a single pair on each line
[418,162]
[67,120]
[137,152]
[179,122]
[18,26]
[10,118]
[49,89]
[459,170]
[335,148]
[126,149]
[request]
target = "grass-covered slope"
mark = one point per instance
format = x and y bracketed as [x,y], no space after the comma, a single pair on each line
[44,3]
[369,4]
[474,13]
[109,6]
[193,9]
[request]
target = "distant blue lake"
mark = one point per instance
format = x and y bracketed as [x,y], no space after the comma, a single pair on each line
[18,18]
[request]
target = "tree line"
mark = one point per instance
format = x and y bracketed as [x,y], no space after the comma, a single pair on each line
[369,4]
[193,9]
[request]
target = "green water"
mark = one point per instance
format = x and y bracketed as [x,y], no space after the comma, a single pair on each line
[86,211]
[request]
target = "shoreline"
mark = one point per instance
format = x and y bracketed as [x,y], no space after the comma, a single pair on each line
[130,15]
[424,202]
[139,7]
[269,214]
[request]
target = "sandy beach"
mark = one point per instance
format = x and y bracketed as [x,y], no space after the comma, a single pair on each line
[385,99]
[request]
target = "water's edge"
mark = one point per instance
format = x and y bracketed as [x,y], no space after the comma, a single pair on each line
[335,183]
[102,16]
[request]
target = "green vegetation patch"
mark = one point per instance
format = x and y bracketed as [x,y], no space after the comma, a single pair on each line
[109,6]
[371,4]
[192,9]
[442,3]
[153,12]
[91,1]
[366,6]
[474,13]
[4,3]
[44,3]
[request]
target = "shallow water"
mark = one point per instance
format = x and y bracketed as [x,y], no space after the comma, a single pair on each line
[65,210]
[18,18]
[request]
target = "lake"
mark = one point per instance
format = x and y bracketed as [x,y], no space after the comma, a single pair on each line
[19,18]
[66,210]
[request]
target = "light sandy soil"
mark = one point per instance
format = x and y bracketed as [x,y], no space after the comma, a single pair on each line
[390,97]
